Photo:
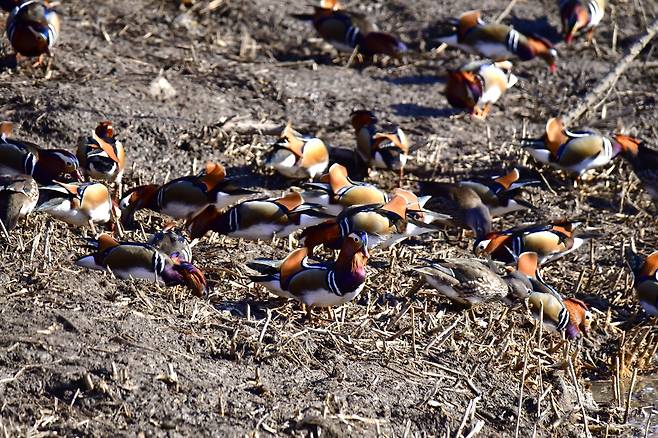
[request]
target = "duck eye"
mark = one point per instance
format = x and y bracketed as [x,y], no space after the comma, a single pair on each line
[355,239]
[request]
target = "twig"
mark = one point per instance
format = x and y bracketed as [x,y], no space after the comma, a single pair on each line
[580,401]
[611,78]
[518,409]
[630,394]
[352,56]
[505,12]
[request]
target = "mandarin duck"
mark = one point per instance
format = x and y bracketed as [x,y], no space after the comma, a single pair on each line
[575,152]
[478,85]
[385,224]
[568,315]
[499,194]
[645,280]
[44,165]
[349,31]
[498,42]
[469,281]
[644,161]
[143,261]
[259,218]
[580,16]
[298,157]
[102,156]
[78,204]
[379,150]
[183,198]
[18,197]
[550,241]
[317,285]
[336,190]
[461,207]
[416,206]
[32,28]
[172,242]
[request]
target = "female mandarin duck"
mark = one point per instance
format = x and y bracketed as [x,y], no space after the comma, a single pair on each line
[18,197]
[500,195]
[470,281]
[347,31]
[44,165]
[336,190]
[298,157]
[379,150]
[139,260]
[644,161]
[259,218]
[550,241]
[461,206]
[184,198]
[478,85]
[102,156]
[568,315]
[385,224]
[317,285]
[575,152]
[580,16]
[32,28]
[645,280]
[498,42]
[79,204]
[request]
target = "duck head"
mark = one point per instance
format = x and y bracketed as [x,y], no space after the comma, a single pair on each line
[56,165]
[186,273]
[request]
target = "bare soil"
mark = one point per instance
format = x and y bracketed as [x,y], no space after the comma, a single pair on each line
[82,353]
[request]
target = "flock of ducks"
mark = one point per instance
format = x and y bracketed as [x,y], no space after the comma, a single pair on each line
[332,209]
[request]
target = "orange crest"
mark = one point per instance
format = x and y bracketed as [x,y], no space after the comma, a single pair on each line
[527,264]
[507,180]
[215,173]
[291,201]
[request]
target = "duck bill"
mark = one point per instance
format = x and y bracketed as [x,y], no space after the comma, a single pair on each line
[364,251]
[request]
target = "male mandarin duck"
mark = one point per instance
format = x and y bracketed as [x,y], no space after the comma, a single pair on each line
[478,85]
[102,156]
[336,190]
[259,218]
[346,31]
[645,280]
[580,16]
[498,42]
[317,285]
[470,281]
[385,224]
[500,194]
[298,157]
[379,150]
[18,197]
[550,241]
[183,198]
[32,28]
[172,243]
[44,165]
[644,161]
[568,315]
[575,152]
[416,206]
[140,260]
[78,204]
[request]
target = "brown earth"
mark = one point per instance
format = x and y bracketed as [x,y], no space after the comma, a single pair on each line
[82,353]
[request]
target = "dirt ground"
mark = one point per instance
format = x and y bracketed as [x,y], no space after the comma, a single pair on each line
[82,353]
